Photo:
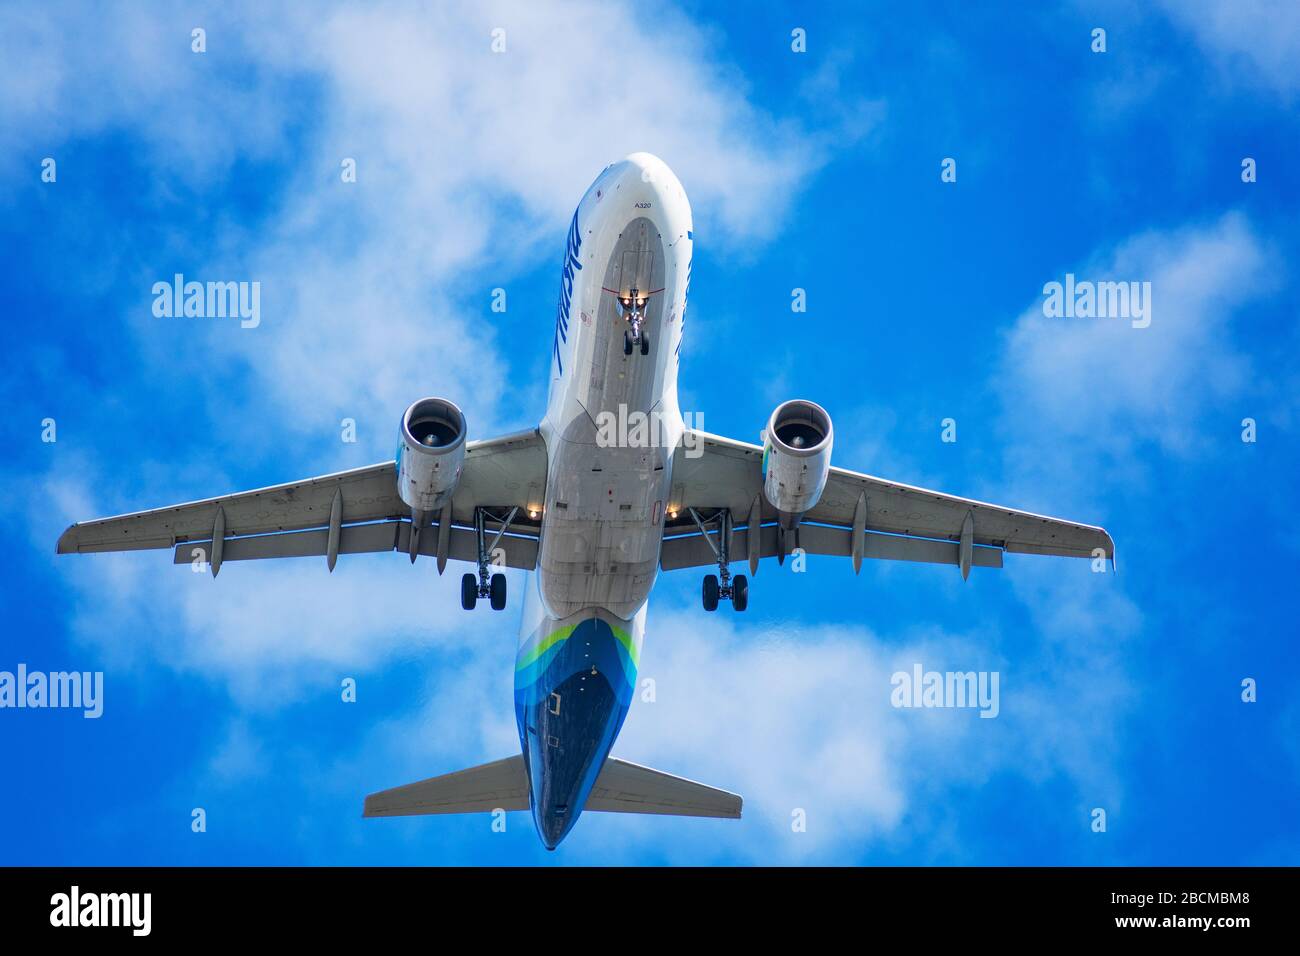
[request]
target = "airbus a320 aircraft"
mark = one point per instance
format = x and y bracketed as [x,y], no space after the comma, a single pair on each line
[596,518]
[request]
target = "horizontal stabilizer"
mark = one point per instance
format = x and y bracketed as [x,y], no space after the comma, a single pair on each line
[621,787]
[624,787]
[500,785]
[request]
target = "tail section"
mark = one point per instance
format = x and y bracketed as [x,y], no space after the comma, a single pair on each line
[574,682]
[570,704]
[620,787]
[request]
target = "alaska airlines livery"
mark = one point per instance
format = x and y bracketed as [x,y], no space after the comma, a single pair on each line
[611,488]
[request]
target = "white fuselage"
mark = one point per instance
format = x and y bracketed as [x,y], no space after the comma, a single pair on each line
[612,419]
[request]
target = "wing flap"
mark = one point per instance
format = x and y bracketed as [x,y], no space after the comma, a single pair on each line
[692,551]
[520,551]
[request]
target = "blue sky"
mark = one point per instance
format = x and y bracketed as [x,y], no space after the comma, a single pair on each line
[816,170]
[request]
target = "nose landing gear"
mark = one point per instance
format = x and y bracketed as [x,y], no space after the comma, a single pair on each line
[721,586]
[486,584]
[634,338]
[632,306]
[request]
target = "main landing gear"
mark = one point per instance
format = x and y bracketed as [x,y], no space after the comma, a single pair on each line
[486,584]
[721,586]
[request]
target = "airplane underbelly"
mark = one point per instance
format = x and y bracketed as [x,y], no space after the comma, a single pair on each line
[603,528]
[610,451]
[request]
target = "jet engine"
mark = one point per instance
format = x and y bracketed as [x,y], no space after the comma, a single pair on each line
[431,455]
[796,458]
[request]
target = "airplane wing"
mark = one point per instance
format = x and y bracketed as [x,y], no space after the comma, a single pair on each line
[344,513]
[858,516]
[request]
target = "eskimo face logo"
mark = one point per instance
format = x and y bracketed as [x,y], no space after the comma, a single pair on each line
[571,263]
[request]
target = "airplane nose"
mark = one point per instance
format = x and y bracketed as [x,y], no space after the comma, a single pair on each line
[645,161]
[652,170]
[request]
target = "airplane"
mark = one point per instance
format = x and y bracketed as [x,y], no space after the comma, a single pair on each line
[594,518]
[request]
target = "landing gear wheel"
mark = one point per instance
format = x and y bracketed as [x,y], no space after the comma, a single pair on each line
[468,592]
[740,592]
[645,343]
[498,592]
[627,341]
[710,592]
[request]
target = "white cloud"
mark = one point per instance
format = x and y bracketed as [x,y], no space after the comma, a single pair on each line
[1083,396]
[1252,40]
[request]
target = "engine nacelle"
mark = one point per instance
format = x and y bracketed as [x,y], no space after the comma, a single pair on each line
[431,455]
[796,457]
